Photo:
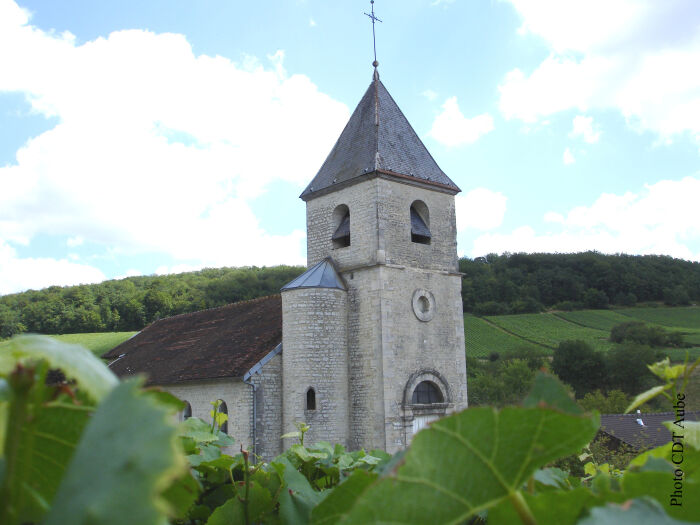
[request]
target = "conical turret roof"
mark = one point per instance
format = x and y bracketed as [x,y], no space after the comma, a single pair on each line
[321,275]
[377,140]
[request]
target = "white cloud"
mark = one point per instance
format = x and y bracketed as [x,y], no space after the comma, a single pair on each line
[75,241]
[661,219]
[639,57]
[452,128]
[583,127]
[480,209]
[156,149]
[129,273]
[568,157]
[552,216]
[312,22]
[17,274]
[178,268]
[429,94]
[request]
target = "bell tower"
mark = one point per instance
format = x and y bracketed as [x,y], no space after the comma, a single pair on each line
[382,210]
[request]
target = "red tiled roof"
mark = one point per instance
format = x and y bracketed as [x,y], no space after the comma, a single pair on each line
[220,342]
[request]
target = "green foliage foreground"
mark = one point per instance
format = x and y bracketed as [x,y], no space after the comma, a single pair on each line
[93,451]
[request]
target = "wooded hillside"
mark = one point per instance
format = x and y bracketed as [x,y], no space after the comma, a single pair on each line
[522,283]
[492,285]
[132,303]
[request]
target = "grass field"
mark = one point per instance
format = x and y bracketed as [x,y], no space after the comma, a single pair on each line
[598,319]
[549,330]
[485,338]
[97,343]
[507,333]
[679,317]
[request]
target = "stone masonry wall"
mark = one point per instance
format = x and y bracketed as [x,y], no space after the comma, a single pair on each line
[365,358]
[380,226]
[361,200]
[412,346]
[239,401]
[314,356]
[394,201]
[268,385]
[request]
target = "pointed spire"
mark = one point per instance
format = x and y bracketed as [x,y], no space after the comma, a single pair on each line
[378,140]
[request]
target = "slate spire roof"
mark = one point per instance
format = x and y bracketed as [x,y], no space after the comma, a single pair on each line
[377,141]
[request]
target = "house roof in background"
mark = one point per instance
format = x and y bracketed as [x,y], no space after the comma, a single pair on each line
[378,140]
[653,434]
[221,342]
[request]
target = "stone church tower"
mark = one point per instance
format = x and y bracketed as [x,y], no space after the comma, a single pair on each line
[373,332]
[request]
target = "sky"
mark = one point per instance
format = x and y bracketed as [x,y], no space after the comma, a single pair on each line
[141,138]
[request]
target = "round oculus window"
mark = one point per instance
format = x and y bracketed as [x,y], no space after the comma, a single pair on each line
[423,305]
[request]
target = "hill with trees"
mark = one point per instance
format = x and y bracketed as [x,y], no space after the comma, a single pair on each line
[132,303]
[524,283]
[492,285]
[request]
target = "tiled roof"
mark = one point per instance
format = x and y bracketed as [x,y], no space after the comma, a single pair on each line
[378,140]
[321,275]
[653,434]
[220,342]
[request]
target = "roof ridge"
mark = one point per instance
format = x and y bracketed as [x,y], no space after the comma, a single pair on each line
[228,305]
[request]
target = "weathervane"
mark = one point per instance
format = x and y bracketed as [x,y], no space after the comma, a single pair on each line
[374,38]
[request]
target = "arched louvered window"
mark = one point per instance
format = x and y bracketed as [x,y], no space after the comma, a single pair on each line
[420,223]
[426,393]
[341,227]
[310,399]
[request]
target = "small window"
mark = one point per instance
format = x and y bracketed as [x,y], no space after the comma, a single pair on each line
[420,223]
[341,225]
[426,393]
[187,411]
[223,409]
[310,399]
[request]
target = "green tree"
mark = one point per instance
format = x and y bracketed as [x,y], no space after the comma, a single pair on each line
[614,402]
[593,298]
[579,365]
[627,367]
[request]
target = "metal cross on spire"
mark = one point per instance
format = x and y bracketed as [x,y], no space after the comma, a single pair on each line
[374,38]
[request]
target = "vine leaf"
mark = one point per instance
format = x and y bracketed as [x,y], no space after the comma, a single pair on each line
[233,511]
[646,396]
[297,497]
[634,512]
[690,430]
[547,390]
[652,474]
[74,361]
[473,460]
[128,455]
[46,447]
[339,502]
[560,507]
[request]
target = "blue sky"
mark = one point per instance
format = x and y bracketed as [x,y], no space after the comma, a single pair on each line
[164,136]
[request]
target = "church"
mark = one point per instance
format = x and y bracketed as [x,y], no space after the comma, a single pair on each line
[367,345]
